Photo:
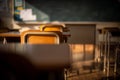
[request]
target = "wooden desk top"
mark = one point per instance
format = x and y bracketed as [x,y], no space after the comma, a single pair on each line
[10,34]
[41,56]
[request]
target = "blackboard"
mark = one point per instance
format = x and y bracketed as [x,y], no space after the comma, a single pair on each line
[74,10]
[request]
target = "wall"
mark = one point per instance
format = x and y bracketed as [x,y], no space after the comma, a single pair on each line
[79,10]
[108,16]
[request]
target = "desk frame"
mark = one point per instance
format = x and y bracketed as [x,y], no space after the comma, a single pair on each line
[8,34]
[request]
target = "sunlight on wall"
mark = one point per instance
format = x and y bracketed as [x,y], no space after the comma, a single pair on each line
[89,48]
[81,52]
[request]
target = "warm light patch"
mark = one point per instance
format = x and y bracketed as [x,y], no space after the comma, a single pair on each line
[89,48]
[78,48]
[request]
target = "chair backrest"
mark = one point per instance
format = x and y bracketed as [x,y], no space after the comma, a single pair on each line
[38,37]
[53,27]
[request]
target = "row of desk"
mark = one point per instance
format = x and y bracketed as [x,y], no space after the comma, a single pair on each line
[16,35]
[48,60]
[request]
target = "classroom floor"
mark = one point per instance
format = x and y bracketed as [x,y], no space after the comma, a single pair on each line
[95,74]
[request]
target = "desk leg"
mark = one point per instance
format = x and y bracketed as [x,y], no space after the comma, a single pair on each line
[51,75]
[56,75]
[4,40]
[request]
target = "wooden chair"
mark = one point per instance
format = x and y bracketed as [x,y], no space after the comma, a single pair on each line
[56,27]
[38,37]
